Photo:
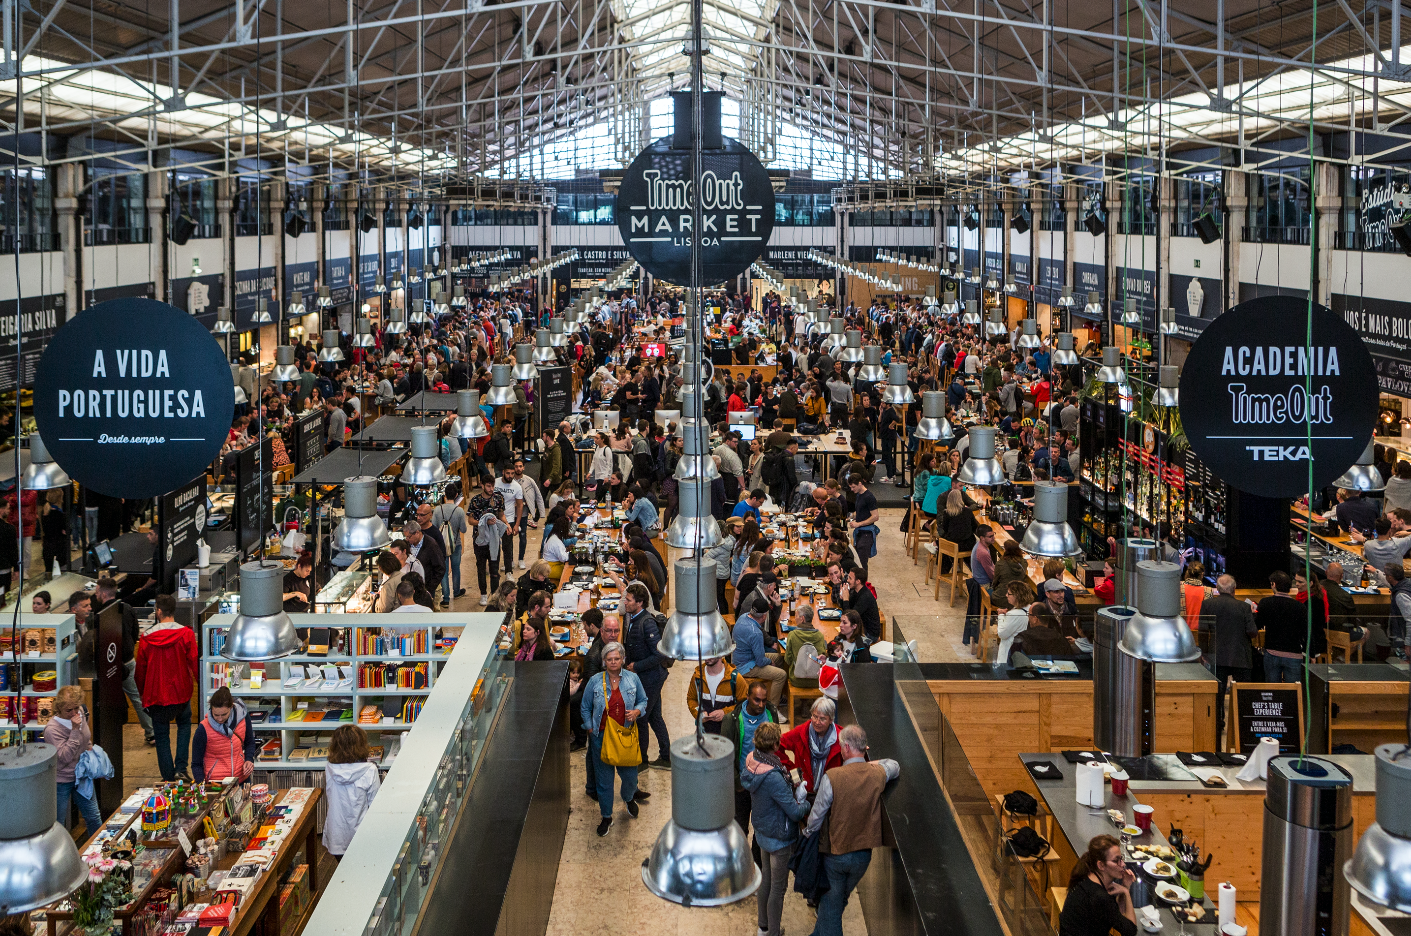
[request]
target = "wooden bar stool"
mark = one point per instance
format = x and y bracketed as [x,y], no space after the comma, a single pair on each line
[945,547]
[989,625]
[793,694]
[913,534]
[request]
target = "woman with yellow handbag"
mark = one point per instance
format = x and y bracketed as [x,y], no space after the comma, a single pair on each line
[612,702]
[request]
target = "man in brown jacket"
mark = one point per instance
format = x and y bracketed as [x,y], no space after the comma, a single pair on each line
[850,798]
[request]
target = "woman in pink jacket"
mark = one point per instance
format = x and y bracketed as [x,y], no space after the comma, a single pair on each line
[70,735]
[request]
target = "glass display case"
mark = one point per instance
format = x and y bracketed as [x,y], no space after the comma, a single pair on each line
[347,592]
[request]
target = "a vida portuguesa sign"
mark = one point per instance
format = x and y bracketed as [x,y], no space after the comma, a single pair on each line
[133,398]
[1259,403]
[654,211]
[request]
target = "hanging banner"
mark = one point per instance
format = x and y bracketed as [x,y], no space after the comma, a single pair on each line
[554,401]
[1385,327]
[1258,404]
[133,398]
[654,211]
[181,519]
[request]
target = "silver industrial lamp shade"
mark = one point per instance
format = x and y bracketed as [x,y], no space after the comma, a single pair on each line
[379,285]
[396,324]
[872,370]
[694,526]
[971,315]
[1130,315]
[835,341]
[325,297]
[361,529]
[296,303]
[468,424]
[1094,307]
[702,857]
[1111,369]
[458,294]
[1380,868]
[695,631]
[1157,632]
[1066,299]
[981,467]
[1064,352]
[417,315]
[1362,476]
[557,338]
[897,391]
[424,466]
[501,385]
[42,473]
[235,376]
[544,348]
[852,349]
[261,631]
[40,862]
[524,368]
[974,274]
[362,333]
[262,312]
[330,352]
[1168,391]
[1049,534]
[696,461]
[1168,321]
[933,425]
[284,367]
[994,326]
[224,324]
[1029,335]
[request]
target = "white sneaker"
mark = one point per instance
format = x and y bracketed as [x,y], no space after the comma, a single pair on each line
[484,600]
[521,565]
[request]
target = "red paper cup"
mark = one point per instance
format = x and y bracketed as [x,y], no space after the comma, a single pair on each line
[1141,815]
[1119,784]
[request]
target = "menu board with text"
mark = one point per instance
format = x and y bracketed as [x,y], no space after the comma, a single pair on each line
[1268,710]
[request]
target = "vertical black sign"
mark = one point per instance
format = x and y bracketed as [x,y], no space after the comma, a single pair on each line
[554,401]
[253,506]
[181,518]
[1264,712]
[110,702]
[308,441]
[42,316]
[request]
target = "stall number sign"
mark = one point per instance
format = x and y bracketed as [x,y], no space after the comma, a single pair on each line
[655,209]
[1264,408]
[133,398]
[1267,713]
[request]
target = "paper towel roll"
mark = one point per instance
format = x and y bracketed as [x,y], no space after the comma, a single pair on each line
[1090,784]
[1257,767]
[1227,903]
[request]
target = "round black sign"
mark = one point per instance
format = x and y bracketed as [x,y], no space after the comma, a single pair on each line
[133,398]
[654,211]
[1251,386]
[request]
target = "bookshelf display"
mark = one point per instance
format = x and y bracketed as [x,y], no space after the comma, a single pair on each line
[48,660]
[376,674]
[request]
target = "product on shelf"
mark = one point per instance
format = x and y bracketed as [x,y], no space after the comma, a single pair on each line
[156,813]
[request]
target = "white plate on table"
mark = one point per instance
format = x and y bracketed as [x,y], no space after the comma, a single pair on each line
[584,570]
[830,614]
[1152,866]
[1171,893]
[607,606]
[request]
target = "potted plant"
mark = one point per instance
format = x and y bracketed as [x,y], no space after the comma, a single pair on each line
[106,888]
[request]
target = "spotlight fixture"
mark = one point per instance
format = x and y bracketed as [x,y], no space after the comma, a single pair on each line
[1362,476]
[261,631]
[182,228]
[1207,228]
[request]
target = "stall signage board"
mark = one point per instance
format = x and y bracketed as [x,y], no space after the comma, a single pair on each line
[39,320]
[555,397]
[1268,710]
[1269,414]
[181,518]
[254,493]
[654,211]
[308,441]
[133,398]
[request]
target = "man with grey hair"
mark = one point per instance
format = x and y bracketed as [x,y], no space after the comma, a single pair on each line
[850,798]
[426,551]
[1232,621]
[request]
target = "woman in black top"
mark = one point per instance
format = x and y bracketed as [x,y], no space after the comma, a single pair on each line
[298,584]
[1099,901]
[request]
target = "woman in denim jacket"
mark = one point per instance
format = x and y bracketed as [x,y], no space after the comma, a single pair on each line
[618,694]
[776,809]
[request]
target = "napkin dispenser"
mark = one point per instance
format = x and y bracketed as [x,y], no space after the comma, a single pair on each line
[566,599]
[1090,784]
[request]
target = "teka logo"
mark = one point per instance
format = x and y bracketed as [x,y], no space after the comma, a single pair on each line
[1279,452]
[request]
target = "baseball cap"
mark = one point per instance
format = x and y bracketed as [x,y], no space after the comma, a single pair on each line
[1053,585]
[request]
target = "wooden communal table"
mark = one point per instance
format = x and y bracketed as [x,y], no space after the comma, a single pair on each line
[837,442]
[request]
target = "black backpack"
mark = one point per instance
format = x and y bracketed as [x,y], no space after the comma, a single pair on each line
[1021,804]
[772,471]
[1024,842]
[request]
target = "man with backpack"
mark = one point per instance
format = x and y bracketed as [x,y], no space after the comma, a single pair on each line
[640,635]
[780,473]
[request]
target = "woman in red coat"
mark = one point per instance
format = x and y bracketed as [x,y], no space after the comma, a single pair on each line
[813,747]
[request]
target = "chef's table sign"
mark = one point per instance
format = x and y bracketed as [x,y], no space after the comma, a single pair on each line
[133,398]
[1269,710]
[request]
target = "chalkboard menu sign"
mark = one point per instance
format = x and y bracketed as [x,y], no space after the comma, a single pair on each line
[308,441]
[1269,710]
[554,400]
[253,507]
[181,516]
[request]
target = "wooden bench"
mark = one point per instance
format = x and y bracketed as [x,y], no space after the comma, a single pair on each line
[1056,898]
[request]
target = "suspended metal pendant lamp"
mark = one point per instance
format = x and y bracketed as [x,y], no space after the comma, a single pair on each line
[557,337]
[501,385]
[695,631]
[296,304]
[330,352]
[1380,868]
[361,529]
[835,342]
[1168,322]
[852,348]
[933,425]
[1130,313]
[972,312]
[424,467]
[543,348]
[524,368]
[42,473]
[362,334]
[697,460]
[1094,306]
[40,860]
[1111,369]
[284,367]
[262,312]
[897,391]
[1168,393]
[224,325]
[1049,534]
[1064,352]
[396,324]
[694,527]
[1157,632]
[261,631]
[994,326]
[469,423]
[872,370]
[1363,476]
[981,468]
[1029,336]
[325,297]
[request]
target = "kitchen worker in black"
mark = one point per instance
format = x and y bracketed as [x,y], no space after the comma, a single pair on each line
[1099,901]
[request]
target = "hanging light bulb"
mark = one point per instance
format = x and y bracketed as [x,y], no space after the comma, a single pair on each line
[501,385]
[972,312]
[296,304]
[694,527]
[424,466]
[42,473]
[41,862]
[1111,369]
[396,325]
[261,631]
[469,423]
[990,282]
[361,529]
[524,368]
[981,468]
[458,297]
[1168,393]
[1049,534]
[362,333]
[262,312]
[933,425]
[930,297]
[1064,352]
[413,276]
[1157,632]
[1010,288]
[1029,335]
[378,286]
[397,280]
[1168,321]
[325,297]
[994,326]
[1363,476]
[284,367]
[897,391]
[223,325]
[974,275]
[835,342]
[872,370]
[1130,315]
[543,349]
[1378,869]
[852,349]
[417,314]
[330,352]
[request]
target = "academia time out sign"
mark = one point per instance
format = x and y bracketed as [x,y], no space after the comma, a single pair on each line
[654,211]
[1260,404]
[133,398]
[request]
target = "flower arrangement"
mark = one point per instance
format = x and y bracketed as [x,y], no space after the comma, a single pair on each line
[106,888]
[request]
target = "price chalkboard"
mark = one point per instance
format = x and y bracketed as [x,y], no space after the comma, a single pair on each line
[181,518]
[1268,710]
[254,506]
[554,400]
[308,441]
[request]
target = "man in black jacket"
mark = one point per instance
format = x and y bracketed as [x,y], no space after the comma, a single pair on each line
[1234,627]
[499,450]
[570,455]
[106,596]
[640,637]
[857,594]
[1285,624]
[432,558]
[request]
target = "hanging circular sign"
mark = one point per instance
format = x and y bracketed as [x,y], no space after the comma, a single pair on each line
[654,215]
[1253,391]
[133,398]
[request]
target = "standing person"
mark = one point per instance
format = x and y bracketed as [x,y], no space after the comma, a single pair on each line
[813,747]
[488,503]
[336,421]
[69,733]
[28,508]
[350,783]
[850,798]
[508,488]
[1285,624]
[166,674]
[776,810]
[640,634]
[739,728]
[1234,627]
[533,502]
[614,693]
[864,522]
[105,595]
[423,549]
[9,548]
[449,517]
[714,692]
[54,527]
[225,744]
[1099,901]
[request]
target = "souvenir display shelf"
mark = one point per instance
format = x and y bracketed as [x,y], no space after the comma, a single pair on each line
[354,686]
[48,644]
[391,864]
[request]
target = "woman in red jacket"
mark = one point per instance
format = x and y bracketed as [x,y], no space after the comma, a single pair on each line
[812,748]
[1106,590]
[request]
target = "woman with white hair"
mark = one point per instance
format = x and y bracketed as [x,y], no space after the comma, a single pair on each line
[616,694]
[812,748]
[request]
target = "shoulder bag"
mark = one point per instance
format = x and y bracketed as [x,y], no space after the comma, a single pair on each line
[620,745]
